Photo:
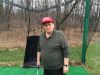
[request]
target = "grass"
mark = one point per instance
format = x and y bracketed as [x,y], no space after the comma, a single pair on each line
[75,54]
[12,57]
[16,57]
[93,58]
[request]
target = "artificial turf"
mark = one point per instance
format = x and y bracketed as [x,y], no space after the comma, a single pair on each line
[73,70]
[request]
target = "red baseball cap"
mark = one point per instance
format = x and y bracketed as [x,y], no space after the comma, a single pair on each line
[47,20]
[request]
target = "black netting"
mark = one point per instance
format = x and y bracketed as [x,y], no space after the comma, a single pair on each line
[19,19]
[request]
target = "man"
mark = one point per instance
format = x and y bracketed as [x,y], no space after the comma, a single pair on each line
[52,49]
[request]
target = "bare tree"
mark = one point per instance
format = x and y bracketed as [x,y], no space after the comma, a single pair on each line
[8,9]
[58,11]
[1,14]
[68,14]
[28,5]
[1,7]
[22,12]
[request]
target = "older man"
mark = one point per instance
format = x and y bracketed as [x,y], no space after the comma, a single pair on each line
[52,49]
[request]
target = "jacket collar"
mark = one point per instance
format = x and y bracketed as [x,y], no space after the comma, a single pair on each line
[52,35]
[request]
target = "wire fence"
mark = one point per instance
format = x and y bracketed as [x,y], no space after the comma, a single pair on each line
[20,23]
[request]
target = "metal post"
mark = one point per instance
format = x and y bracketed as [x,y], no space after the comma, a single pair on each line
[86,25]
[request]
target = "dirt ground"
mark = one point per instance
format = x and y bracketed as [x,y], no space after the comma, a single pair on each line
[16,38]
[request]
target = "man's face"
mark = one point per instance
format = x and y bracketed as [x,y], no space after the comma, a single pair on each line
[48,27]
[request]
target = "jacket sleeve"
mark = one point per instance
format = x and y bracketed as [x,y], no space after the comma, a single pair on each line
[38,47]
[64,45]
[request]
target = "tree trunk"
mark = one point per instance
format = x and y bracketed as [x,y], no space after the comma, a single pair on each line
[58,11]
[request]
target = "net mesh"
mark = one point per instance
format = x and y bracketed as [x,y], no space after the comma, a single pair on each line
[22,18]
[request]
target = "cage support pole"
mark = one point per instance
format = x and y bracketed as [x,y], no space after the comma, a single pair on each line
[85,30]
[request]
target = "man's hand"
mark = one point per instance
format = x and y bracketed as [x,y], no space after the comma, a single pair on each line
[38,59]
[38,63]
[65,69]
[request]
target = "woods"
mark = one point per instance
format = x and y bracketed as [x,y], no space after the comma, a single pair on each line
[23,18]
[71,10]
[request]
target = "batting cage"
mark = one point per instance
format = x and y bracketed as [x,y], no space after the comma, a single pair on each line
[20,27]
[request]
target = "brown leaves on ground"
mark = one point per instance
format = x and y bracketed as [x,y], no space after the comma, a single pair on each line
[9,64]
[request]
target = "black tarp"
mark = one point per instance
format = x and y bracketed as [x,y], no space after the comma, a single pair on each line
[31,51]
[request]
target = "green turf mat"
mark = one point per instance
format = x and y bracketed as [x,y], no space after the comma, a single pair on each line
[73,70]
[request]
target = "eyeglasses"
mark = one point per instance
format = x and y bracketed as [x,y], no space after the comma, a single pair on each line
[48,24]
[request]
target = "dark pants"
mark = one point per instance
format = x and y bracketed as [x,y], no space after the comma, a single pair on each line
[53,72]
